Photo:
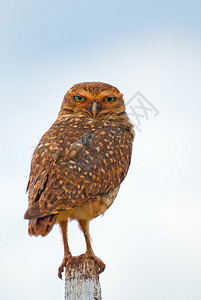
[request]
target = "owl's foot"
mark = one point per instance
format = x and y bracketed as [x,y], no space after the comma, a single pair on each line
[63,264]
[97,261]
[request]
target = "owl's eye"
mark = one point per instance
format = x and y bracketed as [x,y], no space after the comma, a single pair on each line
[79,98]
[110,99]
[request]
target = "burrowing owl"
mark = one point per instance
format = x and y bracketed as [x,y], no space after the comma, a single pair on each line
[80,162]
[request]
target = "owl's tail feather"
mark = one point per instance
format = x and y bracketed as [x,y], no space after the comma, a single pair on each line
[42,225]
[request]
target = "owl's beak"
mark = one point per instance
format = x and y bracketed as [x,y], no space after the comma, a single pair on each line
[94,108]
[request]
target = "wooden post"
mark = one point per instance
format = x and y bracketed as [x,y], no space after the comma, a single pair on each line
[82,279]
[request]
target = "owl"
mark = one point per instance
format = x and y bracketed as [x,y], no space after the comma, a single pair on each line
[79,163]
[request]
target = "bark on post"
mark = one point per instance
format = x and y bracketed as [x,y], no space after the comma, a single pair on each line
[82,279]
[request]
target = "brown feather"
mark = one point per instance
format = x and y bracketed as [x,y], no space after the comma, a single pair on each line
[42,226]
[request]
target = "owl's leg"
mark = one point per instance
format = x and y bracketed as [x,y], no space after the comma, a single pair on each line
[67,254]
[84,225]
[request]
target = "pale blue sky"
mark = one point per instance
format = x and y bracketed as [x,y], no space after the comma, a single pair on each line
[150,239]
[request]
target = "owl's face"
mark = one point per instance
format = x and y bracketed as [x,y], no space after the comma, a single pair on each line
[94,99]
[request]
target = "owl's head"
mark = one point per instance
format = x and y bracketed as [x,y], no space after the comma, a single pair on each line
[94,99]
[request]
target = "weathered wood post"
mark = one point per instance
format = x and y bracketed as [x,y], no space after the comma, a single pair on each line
[82,279]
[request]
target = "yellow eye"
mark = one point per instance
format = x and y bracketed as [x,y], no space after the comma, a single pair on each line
[79,98]
[110,99]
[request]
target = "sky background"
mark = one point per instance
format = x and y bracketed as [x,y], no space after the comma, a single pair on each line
[150,239]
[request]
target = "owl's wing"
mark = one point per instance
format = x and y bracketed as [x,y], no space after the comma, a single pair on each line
[92,165]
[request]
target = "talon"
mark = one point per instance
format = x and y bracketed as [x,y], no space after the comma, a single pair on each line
[97,260]
[63,264]
[100,263]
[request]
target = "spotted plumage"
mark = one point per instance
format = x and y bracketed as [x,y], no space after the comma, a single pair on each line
[80,162]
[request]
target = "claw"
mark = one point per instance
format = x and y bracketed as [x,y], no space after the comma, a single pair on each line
[63,264]
[97,261]
[100,264]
